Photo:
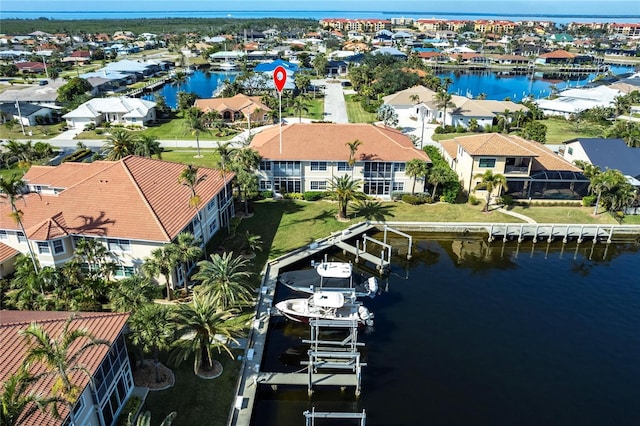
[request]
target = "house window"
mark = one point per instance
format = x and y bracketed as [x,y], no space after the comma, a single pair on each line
[211,204]
[124,271]
[58,247]
[570,151]
[318,166]
[265,185]
[398,186]
[343,166]
[43,247]
[318,185]
[21,238]
[265,165]
[119,245]
[3,235]
[487,162]
[399,167]
[212,227]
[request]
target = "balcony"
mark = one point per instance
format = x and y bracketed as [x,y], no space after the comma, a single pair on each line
[519,170]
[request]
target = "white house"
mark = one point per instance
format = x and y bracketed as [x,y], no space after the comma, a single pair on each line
[573,101]
[121,110]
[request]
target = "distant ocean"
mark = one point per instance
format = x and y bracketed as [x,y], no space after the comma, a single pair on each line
[316,15]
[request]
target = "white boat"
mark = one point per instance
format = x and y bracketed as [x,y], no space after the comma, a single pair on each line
[330,276]
[325,305]
[227,65]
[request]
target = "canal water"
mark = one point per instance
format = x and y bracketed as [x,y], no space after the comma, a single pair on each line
[495,85]
[472,333]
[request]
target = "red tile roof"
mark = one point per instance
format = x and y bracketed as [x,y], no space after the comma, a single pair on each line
[327,142]
[558,54]
[134,198]
[7,252]
[13,347]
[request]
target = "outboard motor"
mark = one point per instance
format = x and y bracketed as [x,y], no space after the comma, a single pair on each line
[365,316]
[372,286]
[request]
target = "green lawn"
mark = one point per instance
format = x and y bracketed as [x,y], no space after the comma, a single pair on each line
[554,214]
[316,110]
[188,156]
[356,113]
[37,132]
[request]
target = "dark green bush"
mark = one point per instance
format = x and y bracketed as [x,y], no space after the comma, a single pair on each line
[266,194]
[314,195]
[130,407]
[507,200]
[589,200]
[412,199]
[77,155]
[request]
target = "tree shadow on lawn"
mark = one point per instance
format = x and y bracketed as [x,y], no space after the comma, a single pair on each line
[372,210]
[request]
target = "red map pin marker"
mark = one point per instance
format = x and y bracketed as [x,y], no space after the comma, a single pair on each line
[279,77]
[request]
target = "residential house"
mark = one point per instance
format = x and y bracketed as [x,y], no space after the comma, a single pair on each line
[307,156]
[532,170]
[121,110]
[573,101]
[108,382]
[556,57]
[237,108]
[25,113]
[132,206]
[31,67]
[46,95]
[604,153]
[7,260]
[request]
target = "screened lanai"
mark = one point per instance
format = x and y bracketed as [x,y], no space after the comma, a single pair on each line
[549,185]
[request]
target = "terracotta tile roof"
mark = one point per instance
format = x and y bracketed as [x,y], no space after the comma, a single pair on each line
[450,146]
[239,102]
[547,159]
[6,253]
[558,54]
[64,175]
[327,142]
[106,326]
[134,198]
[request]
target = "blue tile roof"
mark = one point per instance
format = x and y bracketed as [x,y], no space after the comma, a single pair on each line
[612,154]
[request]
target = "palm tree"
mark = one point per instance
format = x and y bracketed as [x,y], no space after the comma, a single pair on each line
[60,356]
[415,168]
[195,125]
[491,181]
[443,101]
[147,146]
[187,250]
[119,144]
[12,191]
[438,174]
[345,189]
[299,106]
[163,261]
[131,293]
[353,149]
[225,278]
[225,162]
[152,331]
[197,323]
[17,402]
[189,178]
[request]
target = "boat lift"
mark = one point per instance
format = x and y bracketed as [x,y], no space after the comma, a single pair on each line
[310,416]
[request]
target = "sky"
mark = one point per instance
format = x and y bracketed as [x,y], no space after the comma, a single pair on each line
[557,7]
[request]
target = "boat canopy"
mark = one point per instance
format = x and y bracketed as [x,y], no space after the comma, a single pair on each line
[334,269]
[324,299]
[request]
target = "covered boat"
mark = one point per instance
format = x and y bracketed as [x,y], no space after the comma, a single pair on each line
[330,305]
[330,277]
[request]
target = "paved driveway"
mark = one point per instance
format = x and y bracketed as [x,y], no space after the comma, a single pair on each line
[335,108]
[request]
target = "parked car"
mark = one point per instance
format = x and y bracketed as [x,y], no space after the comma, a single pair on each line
[43,82]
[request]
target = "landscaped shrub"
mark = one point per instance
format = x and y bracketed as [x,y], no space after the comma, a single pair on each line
[99,131]
[397,195]
[507,200]
[292,196]
[130,407]
[412,199]
[89,126]
[266,194]
[77,155]
[314,195]
[473,200]
[589,200]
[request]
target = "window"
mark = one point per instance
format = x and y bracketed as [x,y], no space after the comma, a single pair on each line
[265,185]
[487,162]
[318,166]
[124,271]
[265,165]
[570,150]
[399,167]
[212,227]
[58,247]
[118,245]
[21,238]
[318,185]
[3,235]
[43,247]
[343,166]
[398,186]
[211,204]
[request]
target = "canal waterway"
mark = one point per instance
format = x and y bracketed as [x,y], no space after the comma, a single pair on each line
[495,86]
[472,333]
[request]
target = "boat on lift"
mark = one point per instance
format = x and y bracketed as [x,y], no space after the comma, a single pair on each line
[330,277]
[326,305]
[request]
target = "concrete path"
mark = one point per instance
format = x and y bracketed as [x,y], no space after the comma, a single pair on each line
[514,214]
[335,107]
